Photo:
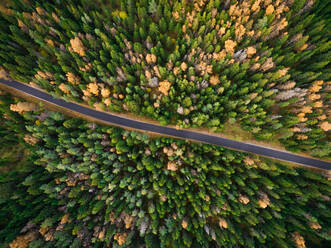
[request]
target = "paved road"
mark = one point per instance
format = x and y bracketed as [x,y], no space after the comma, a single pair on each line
[167,131]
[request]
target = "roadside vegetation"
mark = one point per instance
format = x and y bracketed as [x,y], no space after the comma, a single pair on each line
[13,152]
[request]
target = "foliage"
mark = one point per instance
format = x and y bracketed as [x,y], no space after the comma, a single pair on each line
[262,63]
[101,186]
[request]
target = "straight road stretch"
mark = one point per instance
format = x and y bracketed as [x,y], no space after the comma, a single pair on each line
[113,119]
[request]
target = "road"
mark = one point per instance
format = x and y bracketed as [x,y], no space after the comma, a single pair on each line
[168,131]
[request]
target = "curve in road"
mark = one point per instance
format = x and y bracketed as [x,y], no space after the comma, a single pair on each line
[167,131]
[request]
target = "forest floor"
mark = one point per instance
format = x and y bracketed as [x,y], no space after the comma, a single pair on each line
[12,157]
[3,6]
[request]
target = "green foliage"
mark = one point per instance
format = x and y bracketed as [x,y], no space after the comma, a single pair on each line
[111,43]
[84,185]
[99,185]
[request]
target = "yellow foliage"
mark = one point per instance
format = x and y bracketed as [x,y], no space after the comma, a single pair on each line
[183,66]
[63,87]
[93,88]
[40,11]
[175,15]
[3,73]
[306,109]
[270,9]
[221,31]
[72,78]
[315,225]
[123,14]
[55,17]
[43,230]
[49,236]
[156,71]
[288,85]
[314,97]
[23,241]
[283,72]
[302,137]
[101,234]
[65,219]
[128,220]
[264,200]
[319,82]
[148,75]
[184,224]
[87,94]
[239,31]
[150,58]
[250,51]
[303,47]
[77,46]
[172,166]
[318,104]
[283,24]
[214,80]
[248,161]
[22,25]
[299,240]
[120,238]
[268,64]
[229,46]
[222,223]
[42,74]
[209,69]
[316,87]
[243,199]
[21,107]
[255,67]
[169,151]
[325,126]
[219,56]
[176,71]
[30,139]
[302,117]
[164,87]
[321,117]
[105,92]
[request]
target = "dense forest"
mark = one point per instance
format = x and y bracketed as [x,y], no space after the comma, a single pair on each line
[262,64]
[86,185]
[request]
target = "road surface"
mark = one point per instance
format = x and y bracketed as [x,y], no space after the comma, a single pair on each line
[168,131]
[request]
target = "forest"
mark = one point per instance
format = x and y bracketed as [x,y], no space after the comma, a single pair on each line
[262,64]
[69,182]
[87,185]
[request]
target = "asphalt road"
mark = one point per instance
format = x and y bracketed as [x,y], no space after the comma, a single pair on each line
[167,131]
